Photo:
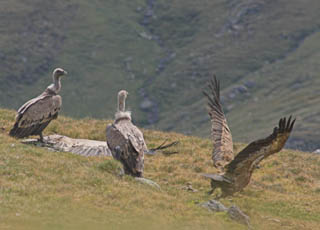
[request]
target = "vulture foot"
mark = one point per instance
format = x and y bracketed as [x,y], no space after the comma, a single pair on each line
[41,138]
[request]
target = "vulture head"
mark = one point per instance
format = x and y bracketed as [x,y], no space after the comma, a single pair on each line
[56,75]
[58,72]
[122,113]
[122,95]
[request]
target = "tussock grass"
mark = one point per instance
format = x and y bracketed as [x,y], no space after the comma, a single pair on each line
[41,189]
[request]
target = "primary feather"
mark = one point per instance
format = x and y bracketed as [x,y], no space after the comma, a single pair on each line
[238,171]
[222,152]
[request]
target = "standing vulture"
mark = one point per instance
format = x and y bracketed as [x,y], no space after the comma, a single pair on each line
[126,141]
[238,171]
[35,115]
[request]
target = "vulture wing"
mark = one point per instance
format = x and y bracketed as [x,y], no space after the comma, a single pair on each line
[245,162]
[36,114]
[222,140]
[133,134]
[127,145]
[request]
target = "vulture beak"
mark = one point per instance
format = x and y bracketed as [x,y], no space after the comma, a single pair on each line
[65,72]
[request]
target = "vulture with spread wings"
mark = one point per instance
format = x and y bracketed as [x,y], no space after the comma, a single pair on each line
[237,172]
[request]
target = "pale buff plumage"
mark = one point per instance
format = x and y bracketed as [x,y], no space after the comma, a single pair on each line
[125,140]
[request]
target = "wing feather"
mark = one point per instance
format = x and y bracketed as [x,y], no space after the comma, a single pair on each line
[133,134]
[127,145]
[222,139]
[36,114]
[39,111]
[261,149]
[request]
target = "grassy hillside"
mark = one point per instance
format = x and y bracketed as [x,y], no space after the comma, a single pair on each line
[41,189]
[266,54]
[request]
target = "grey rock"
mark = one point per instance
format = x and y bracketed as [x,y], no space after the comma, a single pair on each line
[214,206]
[146,104]
[173,85]
[147,182]
[145,35]
[237,215]
[250,84]
[317,151]
[239,89]
[189,188]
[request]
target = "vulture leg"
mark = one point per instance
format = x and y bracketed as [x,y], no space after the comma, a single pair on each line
[117,152]
[41,138]
[117,155]
[211,191]
[121,172]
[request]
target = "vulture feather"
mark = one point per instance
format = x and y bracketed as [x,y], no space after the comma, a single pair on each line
[125,140]
[222,152]
[35,115]
[238,171]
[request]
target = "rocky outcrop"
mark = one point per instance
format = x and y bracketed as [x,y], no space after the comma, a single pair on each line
[237,215]
[233,212]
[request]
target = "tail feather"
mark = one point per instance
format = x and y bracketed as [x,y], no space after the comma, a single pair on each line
[13,132]
[20,132]
[217,177]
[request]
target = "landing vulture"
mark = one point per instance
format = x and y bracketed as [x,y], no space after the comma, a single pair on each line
[126,141]
[239,170]
[35,115]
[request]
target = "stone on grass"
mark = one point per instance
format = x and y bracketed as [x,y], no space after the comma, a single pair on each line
[147,182]
[214,206]
[237,215]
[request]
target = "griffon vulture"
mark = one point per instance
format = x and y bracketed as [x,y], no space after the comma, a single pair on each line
[126,141]
[35,115]
[238,171]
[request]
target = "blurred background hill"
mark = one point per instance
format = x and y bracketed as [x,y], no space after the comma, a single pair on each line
[265,52]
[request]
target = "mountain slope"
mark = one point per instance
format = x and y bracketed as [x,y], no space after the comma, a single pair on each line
[41,189]
[163,52]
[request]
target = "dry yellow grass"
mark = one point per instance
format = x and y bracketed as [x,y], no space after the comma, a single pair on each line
[40,189]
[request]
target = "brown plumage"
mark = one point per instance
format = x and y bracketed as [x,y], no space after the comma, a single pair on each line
[35,115]
[222,152]
[239,170]
[126,141]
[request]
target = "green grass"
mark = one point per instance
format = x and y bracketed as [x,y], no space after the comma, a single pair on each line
[41,189]
[273,44]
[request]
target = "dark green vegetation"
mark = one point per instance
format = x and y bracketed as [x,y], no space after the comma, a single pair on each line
[41,189]
[266,53]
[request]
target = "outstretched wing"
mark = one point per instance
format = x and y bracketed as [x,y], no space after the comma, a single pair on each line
[222,140]
[245,162]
